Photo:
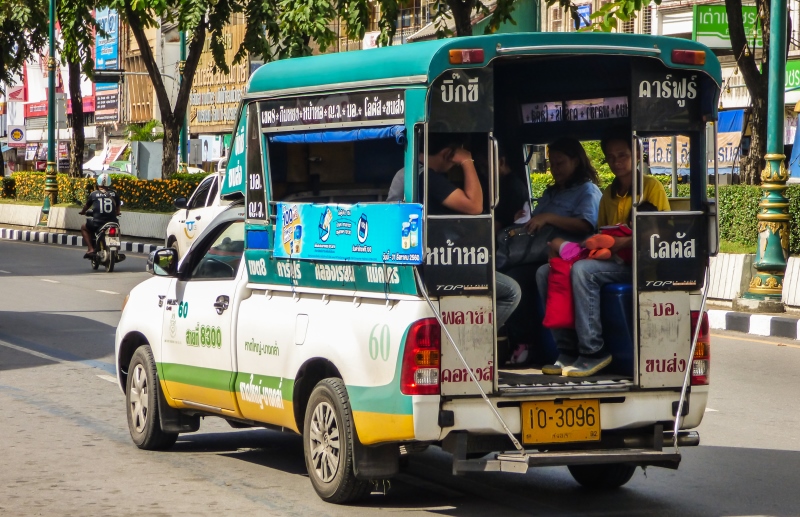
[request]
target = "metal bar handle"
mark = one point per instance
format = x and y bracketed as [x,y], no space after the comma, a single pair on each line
[494,182]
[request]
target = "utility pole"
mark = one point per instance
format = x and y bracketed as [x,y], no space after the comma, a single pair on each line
[773,210]
[183,155]
[51,180]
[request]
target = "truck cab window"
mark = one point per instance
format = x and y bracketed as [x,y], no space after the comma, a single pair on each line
[221,260]
[201,194]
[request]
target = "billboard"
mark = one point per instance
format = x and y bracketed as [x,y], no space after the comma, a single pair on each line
[710,26]
[107,57]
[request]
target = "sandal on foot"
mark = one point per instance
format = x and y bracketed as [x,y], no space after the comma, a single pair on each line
[520,355]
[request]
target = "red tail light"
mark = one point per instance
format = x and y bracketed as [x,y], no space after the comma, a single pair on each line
[689,57]
[701,362]
[112,231]
[421,358]
[466,56]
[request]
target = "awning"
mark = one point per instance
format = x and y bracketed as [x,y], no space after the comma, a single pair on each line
[730,121]
[324,137]
[5,149]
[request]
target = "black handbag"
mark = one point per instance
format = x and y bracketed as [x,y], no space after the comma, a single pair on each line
[515,246]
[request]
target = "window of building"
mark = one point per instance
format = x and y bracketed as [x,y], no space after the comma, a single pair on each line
[647,20]
[556,19]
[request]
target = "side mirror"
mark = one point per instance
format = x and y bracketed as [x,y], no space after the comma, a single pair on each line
[163,262]
[180,203]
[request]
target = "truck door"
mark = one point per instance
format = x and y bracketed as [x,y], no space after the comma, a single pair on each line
[197,357]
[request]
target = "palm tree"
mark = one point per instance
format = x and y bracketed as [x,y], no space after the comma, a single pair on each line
[144,132]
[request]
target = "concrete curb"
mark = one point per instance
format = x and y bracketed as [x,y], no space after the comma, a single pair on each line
[756,324]
[68,240]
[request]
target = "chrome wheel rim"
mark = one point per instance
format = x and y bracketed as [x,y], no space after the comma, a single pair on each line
[324,442]
[139,406]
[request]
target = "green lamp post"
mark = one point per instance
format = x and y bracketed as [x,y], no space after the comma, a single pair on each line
[773,209]
[51,180]
[184,158]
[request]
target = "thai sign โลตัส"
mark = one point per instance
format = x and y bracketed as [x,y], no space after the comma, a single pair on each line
[369,233]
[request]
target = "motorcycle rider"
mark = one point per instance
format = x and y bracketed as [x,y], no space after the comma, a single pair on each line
[105,205]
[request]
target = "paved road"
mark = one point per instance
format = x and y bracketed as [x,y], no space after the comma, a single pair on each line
[65,448]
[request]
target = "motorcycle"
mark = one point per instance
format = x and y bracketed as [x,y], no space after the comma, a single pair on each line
[107,245]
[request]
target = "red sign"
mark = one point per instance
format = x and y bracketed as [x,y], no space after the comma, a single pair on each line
[88,105]
[16,94]
[36,109]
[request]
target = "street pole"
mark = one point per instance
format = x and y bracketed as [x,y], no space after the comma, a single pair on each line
[51,180]
[773,209]
[184,158]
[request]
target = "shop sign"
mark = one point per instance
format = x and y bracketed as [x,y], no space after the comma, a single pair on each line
[710,26]
[215,95]
[16,136]
[30,152]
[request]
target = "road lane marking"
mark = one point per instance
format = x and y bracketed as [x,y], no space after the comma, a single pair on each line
[6,272]
[109,378]
[33,352]
[708,409]
[773,343]
[107,292]
[49,281]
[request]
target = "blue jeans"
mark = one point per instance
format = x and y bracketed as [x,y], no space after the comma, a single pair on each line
[507,293]
[588,277]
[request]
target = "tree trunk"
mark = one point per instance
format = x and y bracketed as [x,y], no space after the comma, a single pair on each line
[171,118]
[462,15]
[78,138]
[172,136]
[756,77]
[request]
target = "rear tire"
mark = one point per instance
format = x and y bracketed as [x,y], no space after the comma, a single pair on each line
[328,435]
[141,397]
[606,476]
[112,259]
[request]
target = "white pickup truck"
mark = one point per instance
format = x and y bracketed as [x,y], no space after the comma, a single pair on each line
[194,214]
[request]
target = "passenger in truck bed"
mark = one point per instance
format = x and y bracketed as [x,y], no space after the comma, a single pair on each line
[567,209]
[447,199]
[581,351]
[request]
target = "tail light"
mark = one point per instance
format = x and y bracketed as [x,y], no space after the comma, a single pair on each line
[701,362]
[466,56]
[689,57]
[421,358]
[112,231]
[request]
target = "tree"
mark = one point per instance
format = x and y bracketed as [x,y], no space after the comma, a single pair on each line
[78,24]
[275,29]
[144,132]
[755,72]
[23,34]
[462,11]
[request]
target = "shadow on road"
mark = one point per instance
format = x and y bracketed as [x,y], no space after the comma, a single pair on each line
[711,481]
[65,337]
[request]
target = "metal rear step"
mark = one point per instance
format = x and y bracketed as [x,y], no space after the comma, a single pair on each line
[532,381]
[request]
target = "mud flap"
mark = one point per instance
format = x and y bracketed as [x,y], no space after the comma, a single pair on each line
[173,420]
[378,462]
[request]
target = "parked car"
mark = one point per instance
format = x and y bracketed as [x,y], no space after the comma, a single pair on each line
[194,214]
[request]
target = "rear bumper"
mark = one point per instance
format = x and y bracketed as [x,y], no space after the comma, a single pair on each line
[626,410]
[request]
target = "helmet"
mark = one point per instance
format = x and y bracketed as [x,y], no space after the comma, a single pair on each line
[104,180]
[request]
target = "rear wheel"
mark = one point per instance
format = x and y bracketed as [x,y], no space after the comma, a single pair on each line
[327,437]
[112,259]
[607,476]
[142,395]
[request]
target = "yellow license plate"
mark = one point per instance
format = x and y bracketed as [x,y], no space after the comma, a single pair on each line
[563,421]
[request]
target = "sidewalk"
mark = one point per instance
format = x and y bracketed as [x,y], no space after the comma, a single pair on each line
[785,325]
[70,239]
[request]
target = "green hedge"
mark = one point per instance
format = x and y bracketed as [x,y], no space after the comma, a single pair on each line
[150,195]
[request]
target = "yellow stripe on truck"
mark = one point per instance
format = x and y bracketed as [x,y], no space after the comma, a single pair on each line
[208,396]
[383,427]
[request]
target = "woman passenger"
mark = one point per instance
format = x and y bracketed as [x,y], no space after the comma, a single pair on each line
[581,352]
[567,209]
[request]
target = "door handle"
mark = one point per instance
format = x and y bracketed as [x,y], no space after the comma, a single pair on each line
[161,299]
[221,304]
[197,218]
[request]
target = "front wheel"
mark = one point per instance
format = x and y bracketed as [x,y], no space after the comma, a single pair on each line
[607,476]
[144,422]
[328,436]
[96,258]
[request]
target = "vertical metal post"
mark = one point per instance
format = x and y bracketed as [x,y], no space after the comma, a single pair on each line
[51,180]
[674,184]
[183,156]
[773,209]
